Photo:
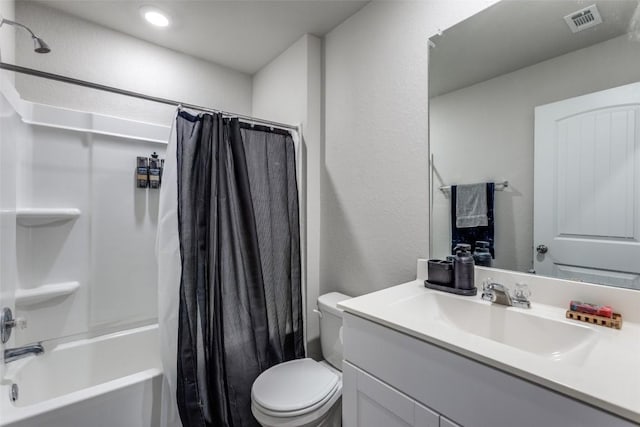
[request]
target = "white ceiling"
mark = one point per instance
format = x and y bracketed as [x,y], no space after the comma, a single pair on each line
[241,34]
[514,34]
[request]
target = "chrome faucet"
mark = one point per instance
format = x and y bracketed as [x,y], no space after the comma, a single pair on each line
[11,354]
[499,294]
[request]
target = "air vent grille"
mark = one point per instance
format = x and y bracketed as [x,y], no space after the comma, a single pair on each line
[583,19]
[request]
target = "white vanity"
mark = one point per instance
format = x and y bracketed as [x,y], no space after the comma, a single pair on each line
[419,357]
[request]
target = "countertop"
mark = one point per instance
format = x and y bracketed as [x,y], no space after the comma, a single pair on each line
[606,373]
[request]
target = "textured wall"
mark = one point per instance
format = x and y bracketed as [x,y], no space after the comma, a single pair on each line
[7,33]
[288,90]
[375,181]
[280,87]
[88,51]
[485,132]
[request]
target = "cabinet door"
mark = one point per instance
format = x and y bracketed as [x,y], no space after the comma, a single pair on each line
[368,402]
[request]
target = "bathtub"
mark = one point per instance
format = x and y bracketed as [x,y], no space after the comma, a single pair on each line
[109,381]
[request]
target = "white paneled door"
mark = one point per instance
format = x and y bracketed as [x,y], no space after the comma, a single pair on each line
[587,188]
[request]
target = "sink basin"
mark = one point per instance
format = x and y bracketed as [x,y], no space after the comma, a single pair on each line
[518,328]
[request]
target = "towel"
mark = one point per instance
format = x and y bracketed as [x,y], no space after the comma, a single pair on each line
[471,206]
[471,235]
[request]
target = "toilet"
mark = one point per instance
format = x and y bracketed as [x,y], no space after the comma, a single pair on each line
[303,392]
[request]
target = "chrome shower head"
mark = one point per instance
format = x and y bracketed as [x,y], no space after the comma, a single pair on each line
[39,45]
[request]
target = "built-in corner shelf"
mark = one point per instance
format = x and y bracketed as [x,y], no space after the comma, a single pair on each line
[45,216]
[29,297]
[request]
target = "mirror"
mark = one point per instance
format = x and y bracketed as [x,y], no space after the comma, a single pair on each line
[517,96]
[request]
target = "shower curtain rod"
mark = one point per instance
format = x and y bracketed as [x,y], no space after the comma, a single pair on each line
[97,86]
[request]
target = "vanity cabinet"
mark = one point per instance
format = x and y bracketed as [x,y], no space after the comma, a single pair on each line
[392,379]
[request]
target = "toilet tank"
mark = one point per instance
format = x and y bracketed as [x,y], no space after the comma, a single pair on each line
[331,327]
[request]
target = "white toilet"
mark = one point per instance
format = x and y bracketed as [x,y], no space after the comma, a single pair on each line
[303,392]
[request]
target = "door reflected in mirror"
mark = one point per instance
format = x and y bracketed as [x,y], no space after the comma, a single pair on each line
[542,95]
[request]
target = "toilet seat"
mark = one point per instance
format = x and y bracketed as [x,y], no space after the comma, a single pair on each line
[301,411]
[295,388]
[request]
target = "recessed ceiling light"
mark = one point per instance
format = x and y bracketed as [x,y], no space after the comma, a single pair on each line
[154,16]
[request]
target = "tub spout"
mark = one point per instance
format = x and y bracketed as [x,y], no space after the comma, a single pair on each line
[11,354]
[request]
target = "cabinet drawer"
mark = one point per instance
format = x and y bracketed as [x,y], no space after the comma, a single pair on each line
[468,392]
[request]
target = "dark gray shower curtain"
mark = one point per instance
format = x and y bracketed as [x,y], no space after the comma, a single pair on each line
[240,308]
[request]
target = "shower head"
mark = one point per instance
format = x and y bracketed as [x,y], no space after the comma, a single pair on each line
[39,45]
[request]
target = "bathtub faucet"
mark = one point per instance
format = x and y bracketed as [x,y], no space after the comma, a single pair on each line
[11,354]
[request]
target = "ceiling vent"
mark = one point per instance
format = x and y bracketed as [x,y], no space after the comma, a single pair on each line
[583,19]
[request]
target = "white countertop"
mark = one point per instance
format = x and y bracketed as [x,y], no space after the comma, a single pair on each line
[606,373]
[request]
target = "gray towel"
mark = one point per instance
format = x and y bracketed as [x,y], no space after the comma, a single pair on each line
[471,206]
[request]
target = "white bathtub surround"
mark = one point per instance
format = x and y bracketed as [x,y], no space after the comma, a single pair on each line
[29,297]
[38,217]
[70,169]
[592,364]
[111,380]
[67,170]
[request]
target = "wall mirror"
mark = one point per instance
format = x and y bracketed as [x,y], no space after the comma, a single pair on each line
[543,95]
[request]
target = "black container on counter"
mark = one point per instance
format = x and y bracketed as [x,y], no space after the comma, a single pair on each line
[440,272]
[463,267]
[482,254]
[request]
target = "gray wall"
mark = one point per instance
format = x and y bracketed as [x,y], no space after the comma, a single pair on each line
[485,132]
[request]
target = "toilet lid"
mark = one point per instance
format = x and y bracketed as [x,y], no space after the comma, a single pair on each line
[294,385]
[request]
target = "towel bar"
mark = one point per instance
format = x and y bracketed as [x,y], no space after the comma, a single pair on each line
[500,186]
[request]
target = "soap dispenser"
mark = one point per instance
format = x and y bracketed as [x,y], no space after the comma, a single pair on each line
[482,254]
[463,268]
